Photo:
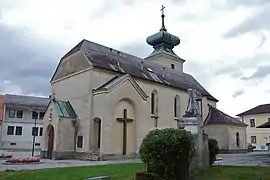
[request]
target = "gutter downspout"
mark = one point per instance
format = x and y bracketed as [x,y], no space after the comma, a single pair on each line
[75,123]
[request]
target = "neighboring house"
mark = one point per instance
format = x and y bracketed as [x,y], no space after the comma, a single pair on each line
[19,117]
[1,108]
[229,132]
[254,117]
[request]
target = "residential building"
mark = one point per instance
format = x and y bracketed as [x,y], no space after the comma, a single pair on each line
[22,118]
[1,108]
[254,117]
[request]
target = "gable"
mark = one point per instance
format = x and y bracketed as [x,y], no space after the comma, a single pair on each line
[71,64]
[117,81]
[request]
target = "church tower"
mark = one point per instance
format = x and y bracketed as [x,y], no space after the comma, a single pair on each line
[163,44]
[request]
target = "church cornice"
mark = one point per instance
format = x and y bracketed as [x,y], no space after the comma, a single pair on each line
[117,81]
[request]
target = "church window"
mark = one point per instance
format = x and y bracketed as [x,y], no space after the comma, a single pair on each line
[80,142]
[154,102]
[172,66]
[237,139]
[252,122]
[253,139]
[176,106]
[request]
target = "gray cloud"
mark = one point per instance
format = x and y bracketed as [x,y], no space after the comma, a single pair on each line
[232,4]
[235,70]
[26,63]
[267,91]
[247,2]
[257,22]
[238,93]
[141,49]
[260,73]
[109,6]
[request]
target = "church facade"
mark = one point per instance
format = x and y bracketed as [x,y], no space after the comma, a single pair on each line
[105,101]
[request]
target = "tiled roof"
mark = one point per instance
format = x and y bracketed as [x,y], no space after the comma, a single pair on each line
[114,60]
[261,109]
[20,100]
[264,125]
[64,109]
[216,116]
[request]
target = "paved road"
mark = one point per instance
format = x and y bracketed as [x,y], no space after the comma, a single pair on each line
[247,159]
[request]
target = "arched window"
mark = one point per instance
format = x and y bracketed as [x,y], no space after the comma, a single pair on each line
[154,102]
[237,139]
[176,106]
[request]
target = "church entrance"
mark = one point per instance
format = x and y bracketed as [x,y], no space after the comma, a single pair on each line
[50,141]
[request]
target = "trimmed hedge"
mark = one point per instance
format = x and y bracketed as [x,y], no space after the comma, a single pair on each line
[168,153]
[213,150]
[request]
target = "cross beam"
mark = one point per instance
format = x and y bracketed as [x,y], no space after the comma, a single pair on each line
[124,120]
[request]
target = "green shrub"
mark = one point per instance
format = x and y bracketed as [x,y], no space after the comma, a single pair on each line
[213,150]
[168,153]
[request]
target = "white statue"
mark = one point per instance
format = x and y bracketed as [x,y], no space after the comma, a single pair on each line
[193,107]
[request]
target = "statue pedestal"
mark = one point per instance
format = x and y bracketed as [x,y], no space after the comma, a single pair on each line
[194,125]
[191,124]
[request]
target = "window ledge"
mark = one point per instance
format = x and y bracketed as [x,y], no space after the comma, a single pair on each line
[177,118]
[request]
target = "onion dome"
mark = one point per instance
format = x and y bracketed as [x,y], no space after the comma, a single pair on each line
[163,41]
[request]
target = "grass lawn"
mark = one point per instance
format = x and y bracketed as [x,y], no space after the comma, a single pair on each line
[235,173]
[126,172]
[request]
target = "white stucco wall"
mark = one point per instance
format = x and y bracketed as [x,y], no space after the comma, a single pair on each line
[25,140]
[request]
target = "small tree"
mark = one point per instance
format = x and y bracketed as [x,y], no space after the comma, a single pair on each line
[213,150]
[168,153]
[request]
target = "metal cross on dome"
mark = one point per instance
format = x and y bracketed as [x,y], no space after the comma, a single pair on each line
[162,9]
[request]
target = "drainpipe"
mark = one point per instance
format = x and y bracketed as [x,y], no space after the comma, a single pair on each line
[75,124]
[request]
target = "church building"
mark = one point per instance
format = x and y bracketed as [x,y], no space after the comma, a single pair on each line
[105,101]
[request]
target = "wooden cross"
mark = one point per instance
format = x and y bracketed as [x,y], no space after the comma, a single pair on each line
[124,120]
[162,9]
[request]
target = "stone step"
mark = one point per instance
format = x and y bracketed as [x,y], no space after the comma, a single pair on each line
[94,157]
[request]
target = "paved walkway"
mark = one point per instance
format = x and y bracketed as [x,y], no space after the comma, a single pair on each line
[247,159]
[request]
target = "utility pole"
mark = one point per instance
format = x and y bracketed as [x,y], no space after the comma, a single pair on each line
[34,135]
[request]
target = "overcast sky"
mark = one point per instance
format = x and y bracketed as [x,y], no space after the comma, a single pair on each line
[225,42]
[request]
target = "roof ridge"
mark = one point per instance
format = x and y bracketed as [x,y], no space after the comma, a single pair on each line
[259,109]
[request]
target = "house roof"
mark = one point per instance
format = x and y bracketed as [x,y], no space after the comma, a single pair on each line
[1,106]
[20,100]
[216,116]
[261,109]
[264,125]
[64,109]
[114,60]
